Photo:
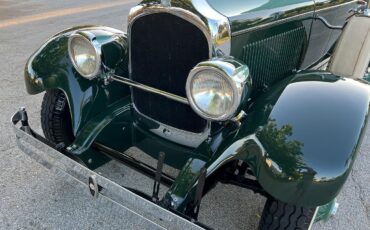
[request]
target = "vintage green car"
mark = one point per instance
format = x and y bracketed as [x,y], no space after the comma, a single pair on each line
[268,95]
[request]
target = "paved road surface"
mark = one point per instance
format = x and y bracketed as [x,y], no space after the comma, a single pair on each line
[32,198]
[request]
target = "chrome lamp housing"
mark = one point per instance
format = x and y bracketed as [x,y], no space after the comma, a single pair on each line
[216,88]
[85,53]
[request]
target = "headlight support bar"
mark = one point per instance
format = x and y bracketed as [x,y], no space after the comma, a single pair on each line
[150,89]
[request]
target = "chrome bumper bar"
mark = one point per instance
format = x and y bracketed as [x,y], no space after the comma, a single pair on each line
[139,210]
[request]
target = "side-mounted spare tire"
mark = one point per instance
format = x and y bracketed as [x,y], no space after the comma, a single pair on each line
[55,118]
[278,215]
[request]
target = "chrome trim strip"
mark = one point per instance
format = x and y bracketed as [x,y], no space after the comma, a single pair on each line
[313,218]
[327,24]
[333,7]
[138,85]
[219,27]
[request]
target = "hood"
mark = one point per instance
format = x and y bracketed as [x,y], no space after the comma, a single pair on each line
[246,15]
[223,20]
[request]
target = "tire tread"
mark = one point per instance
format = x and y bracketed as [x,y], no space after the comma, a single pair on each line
[278,215]
[55,117]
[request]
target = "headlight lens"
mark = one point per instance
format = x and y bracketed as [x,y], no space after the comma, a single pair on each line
[211,93]
[215,88]
[84,56]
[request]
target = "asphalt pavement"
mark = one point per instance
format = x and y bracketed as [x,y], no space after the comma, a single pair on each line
[33,198]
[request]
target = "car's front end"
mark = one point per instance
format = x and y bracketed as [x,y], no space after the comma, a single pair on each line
[172,88]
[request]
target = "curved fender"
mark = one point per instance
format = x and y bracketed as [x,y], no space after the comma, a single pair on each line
[307,135]
[51,68]
[300,140]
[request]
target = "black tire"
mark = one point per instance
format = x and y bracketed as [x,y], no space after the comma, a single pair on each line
[55,118]
[279,215]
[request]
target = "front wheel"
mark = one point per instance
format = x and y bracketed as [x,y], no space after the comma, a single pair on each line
[279,215]
[55,118]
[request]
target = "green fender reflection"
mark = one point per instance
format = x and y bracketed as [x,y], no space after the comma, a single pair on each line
[300,139]
[310,137]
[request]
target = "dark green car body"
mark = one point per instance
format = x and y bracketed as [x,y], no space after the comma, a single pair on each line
[302,128]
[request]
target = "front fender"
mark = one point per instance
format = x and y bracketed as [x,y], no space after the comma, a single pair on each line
[51,68]
[300,140]
[307,131]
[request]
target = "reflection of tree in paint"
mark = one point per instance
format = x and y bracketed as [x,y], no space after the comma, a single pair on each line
[285,153]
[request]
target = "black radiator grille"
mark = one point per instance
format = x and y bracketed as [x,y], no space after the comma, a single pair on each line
[274,58]
[164,48]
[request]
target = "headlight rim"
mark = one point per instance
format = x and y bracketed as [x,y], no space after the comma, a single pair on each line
[91,40]
[236,94]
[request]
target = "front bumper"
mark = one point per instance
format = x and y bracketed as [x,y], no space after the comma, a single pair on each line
[103,190]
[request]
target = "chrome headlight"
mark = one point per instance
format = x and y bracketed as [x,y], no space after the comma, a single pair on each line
[85,54]
[215,88]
